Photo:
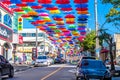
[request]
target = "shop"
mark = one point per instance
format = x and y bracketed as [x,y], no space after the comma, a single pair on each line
[6,41]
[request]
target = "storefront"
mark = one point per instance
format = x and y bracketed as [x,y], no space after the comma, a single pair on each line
[6,41]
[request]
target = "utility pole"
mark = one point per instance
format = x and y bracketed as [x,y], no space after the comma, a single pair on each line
[36,41]
[96,28]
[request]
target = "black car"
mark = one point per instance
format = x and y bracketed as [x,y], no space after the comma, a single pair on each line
[5,68]
[59,60]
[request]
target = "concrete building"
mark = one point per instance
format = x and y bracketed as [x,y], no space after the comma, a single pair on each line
[6,32]
[44,47]
[117,43]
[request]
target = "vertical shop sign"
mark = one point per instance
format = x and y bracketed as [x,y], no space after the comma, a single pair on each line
[34,53]
[20,39]
[20,23]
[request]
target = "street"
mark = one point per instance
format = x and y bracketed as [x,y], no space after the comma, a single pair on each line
[53,72]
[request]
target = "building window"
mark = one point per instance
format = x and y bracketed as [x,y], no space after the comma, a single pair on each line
[0,17]
[33,35]
[41,35]
[8,20]
[24,34]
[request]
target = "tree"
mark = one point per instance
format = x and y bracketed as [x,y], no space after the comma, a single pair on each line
[113,16]
[89,42]
[107,38]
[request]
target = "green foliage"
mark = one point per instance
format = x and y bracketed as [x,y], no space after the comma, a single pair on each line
[113,16]
[89,41]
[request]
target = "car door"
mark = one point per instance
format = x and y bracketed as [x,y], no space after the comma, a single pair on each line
[5,65]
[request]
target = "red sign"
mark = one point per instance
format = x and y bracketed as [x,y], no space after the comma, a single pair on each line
[34,53]
[20,39]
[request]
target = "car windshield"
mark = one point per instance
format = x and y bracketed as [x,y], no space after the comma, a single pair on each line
[42,57]
[95,64]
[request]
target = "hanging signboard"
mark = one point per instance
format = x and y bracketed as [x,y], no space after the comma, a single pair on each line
[5,33]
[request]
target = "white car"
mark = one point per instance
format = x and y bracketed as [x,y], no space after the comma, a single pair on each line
[42,61]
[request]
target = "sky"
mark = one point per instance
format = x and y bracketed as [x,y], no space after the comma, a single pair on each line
[102,9]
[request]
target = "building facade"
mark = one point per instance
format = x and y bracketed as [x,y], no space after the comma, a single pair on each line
[44,47]
[6,32]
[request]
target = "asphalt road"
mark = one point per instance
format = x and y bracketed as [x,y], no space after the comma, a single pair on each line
[54,72]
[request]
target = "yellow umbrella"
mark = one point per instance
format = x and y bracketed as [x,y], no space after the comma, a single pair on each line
[54,11]
[32,13]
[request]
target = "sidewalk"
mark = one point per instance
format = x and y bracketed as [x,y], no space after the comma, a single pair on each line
[21,67]
[117,68]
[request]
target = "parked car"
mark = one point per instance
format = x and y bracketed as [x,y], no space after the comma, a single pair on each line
[85,57]
[92,69]
[5,68]
[43,61]
[59,60]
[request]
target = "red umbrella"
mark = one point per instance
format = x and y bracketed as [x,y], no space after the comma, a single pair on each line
[81,9]
[28,0]
[25,15]
[80,1]
[6,2]
[37,7]
[66,9]
[58,19]
[18,10]
[52,8]
[21,5]
[44,1]
[62,1]
[69,16]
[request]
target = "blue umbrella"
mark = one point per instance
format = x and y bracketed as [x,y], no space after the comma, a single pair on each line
[15,1]
[48,5]
[32,4]
[81,5]
[40,11]
[83,16]
[64,6]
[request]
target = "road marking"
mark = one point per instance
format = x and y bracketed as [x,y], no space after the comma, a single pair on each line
[52,73]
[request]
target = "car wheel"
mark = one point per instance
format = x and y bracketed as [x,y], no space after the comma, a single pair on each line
[0,76]
[107,78]
[11,73]
[77,78]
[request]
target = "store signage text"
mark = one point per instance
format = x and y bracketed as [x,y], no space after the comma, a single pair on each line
[5,33]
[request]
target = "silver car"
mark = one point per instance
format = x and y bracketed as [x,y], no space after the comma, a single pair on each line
[92,69]
[42,61]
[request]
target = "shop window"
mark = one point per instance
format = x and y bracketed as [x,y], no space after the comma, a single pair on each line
[8,20]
